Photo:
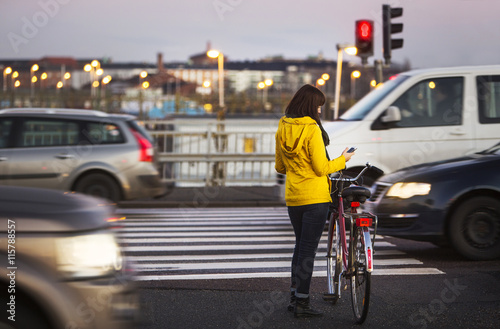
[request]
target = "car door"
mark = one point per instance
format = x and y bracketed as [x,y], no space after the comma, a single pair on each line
[488,95]
[432,125]
[44,153]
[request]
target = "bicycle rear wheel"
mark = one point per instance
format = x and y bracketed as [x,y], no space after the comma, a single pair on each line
[334,261]
[361,277]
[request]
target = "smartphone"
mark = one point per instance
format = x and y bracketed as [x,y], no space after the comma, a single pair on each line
[352,149]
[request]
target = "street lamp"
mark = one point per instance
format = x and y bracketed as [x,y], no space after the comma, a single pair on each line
[33,79]
[14,76]
[6,72]
[263,85]
[354,75]
[43,77]
[220,65]
[350,50]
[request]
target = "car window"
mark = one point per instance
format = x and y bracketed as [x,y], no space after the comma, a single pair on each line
[488,95]
[5,128]
[47,132]
[140,129]
[103,133]
[432,102]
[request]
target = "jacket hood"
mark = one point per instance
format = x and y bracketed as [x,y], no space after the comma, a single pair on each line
[292,132]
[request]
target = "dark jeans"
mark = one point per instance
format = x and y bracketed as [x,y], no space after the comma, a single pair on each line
[308,223]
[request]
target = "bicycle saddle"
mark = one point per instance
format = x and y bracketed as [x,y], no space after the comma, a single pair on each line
[356,193]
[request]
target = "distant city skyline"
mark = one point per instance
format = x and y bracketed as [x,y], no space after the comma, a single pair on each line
[436,33]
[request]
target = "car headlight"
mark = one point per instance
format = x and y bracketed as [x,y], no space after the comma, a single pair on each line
[89,255]
[408,190]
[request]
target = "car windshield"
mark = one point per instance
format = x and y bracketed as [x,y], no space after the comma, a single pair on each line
[367,103]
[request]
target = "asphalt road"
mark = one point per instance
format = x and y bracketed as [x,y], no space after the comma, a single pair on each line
[466,296]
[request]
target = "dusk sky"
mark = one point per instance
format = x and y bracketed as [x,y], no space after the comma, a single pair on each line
[436,32]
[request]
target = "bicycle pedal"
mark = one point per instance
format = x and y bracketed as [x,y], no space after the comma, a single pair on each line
[329,297]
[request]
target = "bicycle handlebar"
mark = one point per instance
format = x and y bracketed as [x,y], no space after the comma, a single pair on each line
[376,170]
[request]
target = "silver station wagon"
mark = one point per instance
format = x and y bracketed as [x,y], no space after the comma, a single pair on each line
[105,155]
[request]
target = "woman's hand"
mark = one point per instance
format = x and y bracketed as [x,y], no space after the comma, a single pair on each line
[346,155]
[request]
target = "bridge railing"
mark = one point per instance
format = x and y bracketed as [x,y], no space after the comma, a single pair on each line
[207,152]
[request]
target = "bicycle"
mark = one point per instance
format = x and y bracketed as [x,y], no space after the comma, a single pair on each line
[351,261]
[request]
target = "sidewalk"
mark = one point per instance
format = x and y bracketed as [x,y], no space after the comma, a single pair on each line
[213,196]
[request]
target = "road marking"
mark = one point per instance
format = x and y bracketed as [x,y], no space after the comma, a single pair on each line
[215,247]
[220,243]
[288,255]
[222,276]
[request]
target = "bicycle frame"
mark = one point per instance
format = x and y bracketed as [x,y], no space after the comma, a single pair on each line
[347,248]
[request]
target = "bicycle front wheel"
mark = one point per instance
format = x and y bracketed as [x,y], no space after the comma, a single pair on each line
[360,277]
[334,261]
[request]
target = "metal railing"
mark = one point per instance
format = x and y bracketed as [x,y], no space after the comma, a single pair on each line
[208,152]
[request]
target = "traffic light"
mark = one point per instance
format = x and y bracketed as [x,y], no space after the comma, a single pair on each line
[389,28]
[364,39]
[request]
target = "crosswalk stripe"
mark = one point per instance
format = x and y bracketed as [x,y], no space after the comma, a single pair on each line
[220,243]
[222,276]
[215,247]
[257,265]
[288,255]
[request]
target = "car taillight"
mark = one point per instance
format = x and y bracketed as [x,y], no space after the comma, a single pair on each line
[145,147]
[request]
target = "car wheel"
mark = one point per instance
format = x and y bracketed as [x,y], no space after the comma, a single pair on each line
[99,185]
[475,228]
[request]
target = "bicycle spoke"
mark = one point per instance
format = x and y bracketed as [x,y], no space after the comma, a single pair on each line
[360,279]
[334,262]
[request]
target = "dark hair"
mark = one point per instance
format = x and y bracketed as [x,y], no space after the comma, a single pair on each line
[305,103]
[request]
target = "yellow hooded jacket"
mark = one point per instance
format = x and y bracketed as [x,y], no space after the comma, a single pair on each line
[301,156]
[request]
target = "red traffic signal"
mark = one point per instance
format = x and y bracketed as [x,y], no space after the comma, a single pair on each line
[364,39]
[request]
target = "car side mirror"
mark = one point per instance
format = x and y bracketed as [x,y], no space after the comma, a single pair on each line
[392,114]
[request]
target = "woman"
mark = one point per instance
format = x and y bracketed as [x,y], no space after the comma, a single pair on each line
[301,155]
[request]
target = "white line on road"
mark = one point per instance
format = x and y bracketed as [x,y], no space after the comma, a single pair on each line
[235,256]
[221,276]
[224,247]
[257,264]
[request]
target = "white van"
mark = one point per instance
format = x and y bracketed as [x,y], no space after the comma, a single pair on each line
[421,116]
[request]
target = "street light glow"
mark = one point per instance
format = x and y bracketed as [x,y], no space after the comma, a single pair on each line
[351,50]
[325,76]
[145,85]
[268,82]
[213,53]
[35,67]
[144,74]
[87,68]
[320,82]
[261,85]
[356,74]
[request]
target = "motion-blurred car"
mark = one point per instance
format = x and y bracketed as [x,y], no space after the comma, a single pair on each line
[61,266]
[455,201]
[104,155]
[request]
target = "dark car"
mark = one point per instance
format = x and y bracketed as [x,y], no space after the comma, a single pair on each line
[455,201]
[61,266]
